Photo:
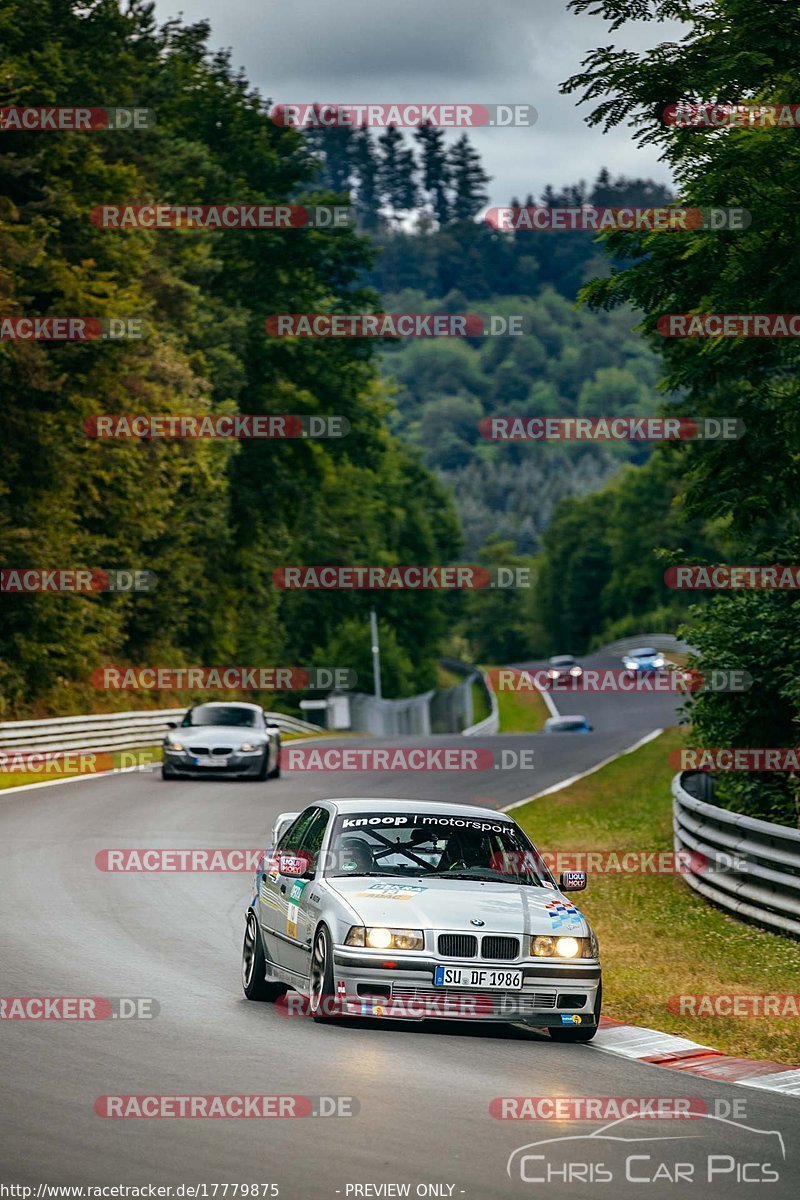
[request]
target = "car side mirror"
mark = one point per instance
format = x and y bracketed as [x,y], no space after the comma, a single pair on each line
[272,725]
[572,881]
[172,724]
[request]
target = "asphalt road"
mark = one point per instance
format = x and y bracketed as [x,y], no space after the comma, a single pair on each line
[423,1091]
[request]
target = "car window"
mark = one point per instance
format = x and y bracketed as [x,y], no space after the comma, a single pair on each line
[312,839]
[207,714]
[294,835]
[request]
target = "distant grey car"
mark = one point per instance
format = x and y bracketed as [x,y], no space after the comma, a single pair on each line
[413,910]
[221,738]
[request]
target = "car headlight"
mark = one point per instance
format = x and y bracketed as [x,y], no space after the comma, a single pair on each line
[174,746]
[576,670]
[251,747]
[552,674]
[659,661]
[563,947]
[378,938]
[630,663]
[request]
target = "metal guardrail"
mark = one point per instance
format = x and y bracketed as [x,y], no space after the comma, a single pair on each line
[751,868]
[490,724]
[108,731]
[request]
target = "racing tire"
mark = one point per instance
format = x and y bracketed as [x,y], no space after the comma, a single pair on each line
[275,773]
[579,1033]
[262,772]
[254,966]
[320,976]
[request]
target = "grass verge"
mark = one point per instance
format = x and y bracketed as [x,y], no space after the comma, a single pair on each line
[658,938]
[520,712]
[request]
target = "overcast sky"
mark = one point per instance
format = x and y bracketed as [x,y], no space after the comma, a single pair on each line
[506,51]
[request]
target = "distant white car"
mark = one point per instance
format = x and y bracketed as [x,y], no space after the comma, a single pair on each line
[414,910]
[645,658]
[571,724]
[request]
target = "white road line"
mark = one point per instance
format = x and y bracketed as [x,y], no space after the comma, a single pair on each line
[564,783]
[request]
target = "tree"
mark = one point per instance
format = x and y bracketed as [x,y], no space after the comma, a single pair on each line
[397,172]
[468,179]
[435,170]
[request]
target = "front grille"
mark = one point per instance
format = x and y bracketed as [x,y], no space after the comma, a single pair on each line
[199,749]
[458,945]
[500,948]
[454,1002]
[222,750]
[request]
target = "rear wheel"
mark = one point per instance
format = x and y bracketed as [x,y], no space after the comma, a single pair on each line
[320,977]
[254,966]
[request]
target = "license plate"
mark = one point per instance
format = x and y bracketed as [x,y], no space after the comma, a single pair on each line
[477,977]
[211,760]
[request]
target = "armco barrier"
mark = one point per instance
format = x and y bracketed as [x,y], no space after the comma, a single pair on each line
[490,724]
[108,731]
[759,863]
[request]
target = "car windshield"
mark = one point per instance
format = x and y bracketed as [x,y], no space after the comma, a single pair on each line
[208,714]
[428,845]
[562,661]
[648,652]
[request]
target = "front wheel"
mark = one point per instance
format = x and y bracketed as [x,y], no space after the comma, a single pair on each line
[320,977]
[254,966]
[275,773]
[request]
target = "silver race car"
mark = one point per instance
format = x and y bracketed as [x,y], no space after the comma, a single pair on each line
[414,910]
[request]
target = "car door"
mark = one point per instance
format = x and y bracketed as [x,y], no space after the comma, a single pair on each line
[302,909]
[274,890]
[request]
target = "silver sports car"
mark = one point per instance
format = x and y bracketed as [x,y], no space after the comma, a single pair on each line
[414,910]
[221,738]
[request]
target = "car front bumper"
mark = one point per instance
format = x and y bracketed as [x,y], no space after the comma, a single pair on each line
[553,994]
[241,765]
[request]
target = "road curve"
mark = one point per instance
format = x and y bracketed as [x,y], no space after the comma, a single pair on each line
[424,1090]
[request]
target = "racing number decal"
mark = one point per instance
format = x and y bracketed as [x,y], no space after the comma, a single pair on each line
[293,910]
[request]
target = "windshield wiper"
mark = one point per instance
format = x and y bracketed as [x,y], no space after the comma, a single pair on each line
[467,875]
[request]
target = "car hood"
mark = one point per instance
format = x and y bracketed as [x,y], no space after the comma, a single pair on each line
[454,903]
[218,735]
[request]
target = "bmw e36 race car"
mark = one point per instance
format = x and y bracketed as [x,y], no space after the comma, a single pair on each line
[414,910]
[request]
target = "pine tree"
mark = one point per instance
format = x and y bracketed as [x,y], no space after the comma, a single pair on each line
[469,180]
[397,172]
[435,171]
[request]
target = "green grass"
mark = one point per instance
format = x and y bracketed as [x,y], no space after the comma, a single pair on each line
[520,712]
[658,938]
